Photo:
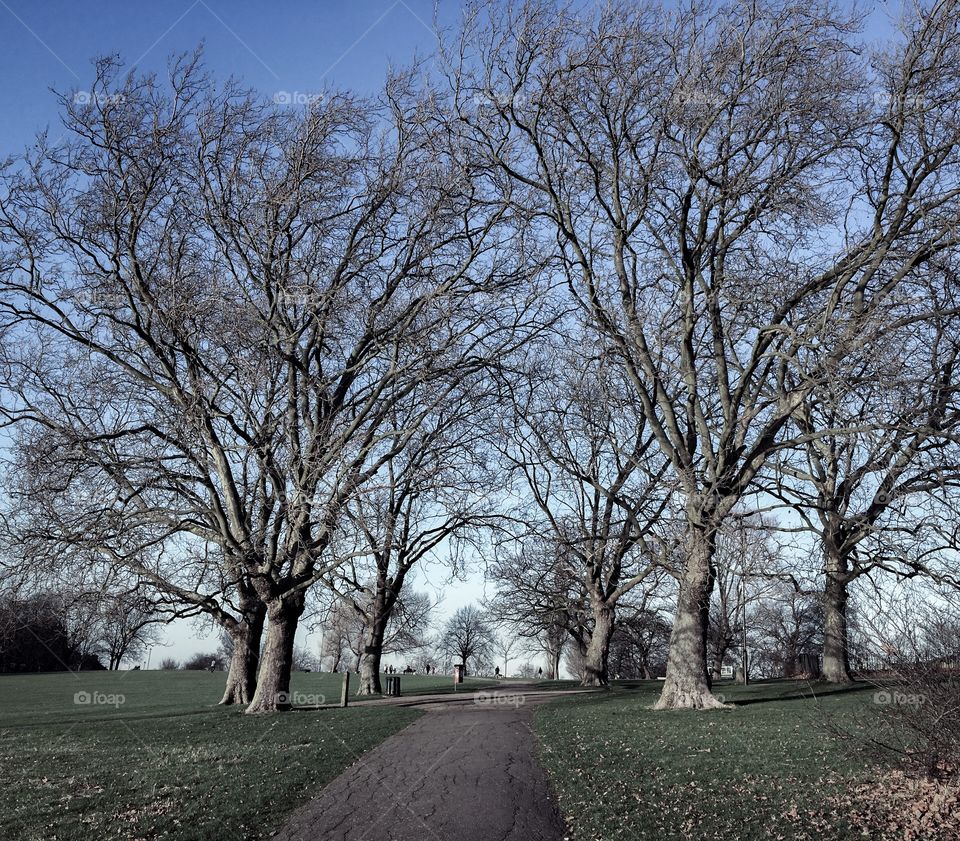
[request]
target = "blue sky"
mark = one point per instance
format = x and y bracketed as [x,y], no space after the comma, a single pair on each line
[296,46]
[292,46]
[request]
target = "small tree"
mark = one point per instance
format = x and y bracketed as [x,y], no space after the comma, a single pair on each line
[468,638]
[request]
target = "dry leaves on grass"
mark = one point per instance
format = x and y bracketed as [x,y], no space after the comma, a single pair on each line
[897,807]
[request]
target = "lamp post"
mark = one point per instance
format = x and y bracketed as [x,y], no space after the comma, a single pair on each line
[744,662]
[744,659]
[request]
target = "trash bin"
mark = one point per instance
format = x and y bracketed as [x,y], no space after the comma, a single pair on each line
[393,685]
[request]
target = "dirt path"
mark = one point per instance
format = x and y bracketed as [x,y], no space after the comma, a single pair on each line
[464,770]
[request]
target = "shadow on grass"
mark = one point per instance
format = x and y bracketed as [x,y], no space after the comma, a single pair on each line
[816,690]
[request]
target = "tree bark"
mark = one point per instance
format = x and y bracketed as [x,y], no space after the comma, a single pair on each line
[273,684]
[369,683]
[595,657]
[242,671]
[836,659]
[688,685]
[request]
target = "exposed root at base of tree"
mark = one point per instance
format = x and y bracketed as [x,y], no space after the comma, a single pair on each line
[679,700]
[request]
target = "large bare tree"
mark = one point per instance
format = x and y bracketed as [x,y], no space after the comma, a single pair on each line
[731,189]
[878,458]
[211,306]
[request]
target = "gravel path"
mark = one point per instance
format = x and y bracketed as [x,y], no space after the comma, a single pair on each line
[464,770]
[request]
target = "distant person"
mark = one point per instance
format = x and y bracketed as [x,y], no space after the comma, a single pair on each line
[540,673]
[496,673]
[428,668]
[213,666]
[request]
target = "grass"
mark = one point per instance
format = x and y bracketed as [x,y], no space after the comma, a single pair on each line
[151,756]
[763,770]
[163,761]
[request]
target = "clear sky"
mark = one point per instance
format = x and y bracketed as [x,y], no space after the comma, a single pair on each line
[287,49]
[292,46]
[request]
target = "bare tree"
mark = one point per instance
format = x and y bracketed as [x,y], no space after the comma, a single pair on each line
[427,495]
[748,568]
[503,648]
[732,190]
[879,439]
[538,597]
[594,485]
[211,307]
[128,622]
[638,648]
[786,626]
[468,638]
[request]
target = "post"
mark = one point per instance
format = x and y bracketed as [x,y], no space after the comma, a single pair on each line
[345,692]
[743,642]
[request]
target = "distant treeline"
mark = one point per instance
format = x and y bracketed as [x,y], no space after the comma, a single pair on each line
[35,636]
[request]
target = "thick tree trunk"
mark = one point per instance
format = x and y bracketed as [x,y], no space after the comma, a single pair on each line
[369,683]
[273,684]
[688,685]
[595,657]
[836,662]
[242,671]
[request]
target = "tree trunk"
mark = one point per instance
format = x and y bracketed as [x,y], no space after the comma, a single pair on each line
[718,663]
[688,685]
[369,683]
[595,657]
[836,662]
[720,649]
[273,684]
[555,664]
[242,671]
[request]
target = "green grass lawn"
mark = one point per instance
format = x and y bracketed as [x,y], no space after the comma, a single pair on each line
[164,761]
[763,770]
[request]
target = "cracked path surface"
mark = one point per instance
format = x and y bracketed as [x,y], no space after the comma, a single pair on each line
[462,770]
